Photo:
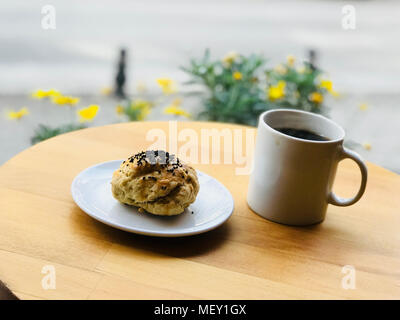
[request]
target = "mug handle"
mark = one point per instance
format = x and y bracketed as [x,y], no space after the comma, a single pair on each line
[337,201]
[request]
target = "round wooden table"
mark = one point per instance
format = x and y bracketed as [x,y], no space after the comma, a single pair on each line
[43,232]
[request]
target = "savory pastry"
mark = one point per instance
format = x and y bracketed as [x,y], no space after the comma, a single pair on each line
[157,182]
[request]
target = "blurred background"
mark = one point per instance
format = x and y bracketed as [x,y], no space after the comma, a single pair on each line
[80,58]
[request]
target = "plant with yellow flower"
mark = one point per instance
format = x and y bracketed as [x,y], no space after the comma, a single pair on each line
[55,96]
[44,132]
[237,75]
[239,88]
[316,97]
[230,58]
[65,100]
[168,86]
[175,109]
[234,92]
[42,94]
[328,86]
[88,114]
[16,115]
[135,110]
[297,86]
[277,91]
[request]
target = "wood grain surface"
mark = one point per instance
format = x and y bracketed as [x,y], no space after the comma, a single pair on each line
[246,258]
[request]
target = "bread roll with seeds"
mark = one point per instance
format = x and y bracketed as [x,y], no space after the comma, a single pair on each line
[157,182]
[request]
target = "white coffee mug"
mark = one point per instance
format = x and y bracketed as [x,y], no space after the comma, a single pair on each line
[292,178]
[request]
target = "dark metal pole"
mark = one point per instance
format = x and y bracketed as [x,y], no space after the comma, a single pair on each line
[312,58]
[120,79]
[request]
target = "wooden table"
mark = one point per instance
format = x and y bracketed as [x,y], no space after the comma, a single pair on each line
[247,258]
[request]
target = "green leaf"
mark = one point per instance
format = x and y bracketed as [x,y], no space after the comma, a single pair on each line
[44,132]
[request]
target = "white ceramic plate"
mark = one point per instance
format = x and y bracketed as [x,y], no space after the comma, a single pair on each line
[91,191]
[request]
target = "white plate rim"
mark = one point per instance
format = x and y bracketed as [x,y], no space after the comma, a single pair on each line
[205,227]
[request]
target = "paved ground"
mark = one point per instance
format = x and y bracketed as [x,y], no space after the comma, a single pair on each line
[79,56]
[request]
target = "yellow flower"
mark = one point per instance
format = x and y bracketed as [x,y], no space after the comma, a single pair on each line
[167,85]
[40,94]
[367,146]
[230,58]
[106,91]
[316,97]
[175,109]
[143,106]
[119,109]
[237,75]
[88,114]
[327,84]
[363,106]
[290,60]
[278,91]
[280,69]
[178,111]
[16,115]
[61,100]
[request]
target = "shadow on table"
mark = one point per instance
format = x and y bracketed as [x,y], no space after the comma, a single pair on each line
[179,247]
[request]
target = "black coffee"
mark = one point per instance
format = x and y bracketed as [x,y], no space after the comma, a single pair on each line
[302,134]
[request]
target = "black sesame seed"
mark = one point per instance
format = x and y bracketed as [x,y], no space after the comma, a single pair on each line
[153,157]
